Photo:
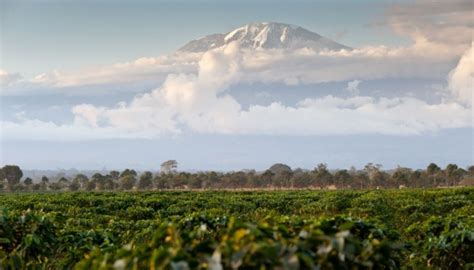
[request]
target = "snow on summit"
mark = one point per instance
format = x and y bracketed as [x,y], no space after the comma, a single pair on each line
[266,36]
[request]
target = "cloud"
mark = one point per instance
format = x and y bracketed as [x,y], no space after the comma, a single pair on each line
[138,70]
[356,115]
[461,78]
[38,130]
[199,103]
[353,87]
[323,116]
[436,21]
[422,60]
[87,115]
[303,66]
[7,79]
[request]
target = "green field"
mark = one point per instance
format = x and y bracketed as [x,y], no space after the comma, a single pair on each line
[306,229]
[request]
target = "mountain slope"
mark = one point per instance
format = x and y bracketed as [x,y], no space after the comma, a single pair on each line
[266,36]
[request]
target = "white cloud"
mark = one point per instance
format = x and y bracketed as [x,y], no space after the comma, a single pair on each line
[304,66]
[422,60]
[461,78]
[7,79]
[37,130]
[324,116]
[357,115]
[353,87]
[87,115]
[138,70]
[199,103]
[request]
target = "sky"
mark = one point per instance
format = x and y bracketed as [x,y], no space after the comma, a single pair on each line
[94,84]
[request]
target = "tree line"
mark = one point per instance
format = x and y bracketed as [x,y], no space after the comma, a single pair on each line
[277,176]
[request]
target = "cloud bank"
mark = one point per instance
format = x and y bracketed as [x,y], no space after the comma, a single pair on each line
[303,66]
[200,103]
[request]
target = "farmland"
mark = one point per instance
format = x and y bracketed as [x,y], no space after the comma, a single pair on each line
[298,229]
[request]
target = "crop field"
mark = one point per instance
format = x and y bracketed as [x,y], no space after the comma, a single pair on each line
[306,229]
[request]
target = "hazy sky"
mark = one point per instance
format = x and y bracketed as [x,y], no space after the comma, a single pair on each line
[93,84]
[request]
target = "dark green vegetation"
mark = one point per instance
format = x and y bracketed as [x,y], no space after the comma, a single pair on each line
[379,229]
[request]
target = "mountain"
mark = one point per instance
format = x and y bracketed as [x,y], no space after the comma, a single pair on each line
[266,36]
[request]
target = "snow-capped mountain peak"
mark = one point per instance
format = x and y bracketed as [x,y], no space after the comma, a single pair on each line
[266,36]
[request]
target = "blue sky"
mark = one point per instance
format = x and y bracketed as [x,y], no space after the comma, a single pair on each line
[93,84]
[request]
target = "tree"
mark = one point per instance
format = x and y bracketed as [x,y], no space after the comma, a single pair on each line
[28,181]
[195,181]
[433,170]
[180,180]
[145,181]
[82,180]
[169,166]
[401,177]
[282,174]
[44,182]
[300,179]
[109,182]
[115,175]
[161,182]
[44,179]
[127,182]
[90,185]
[55,186]
[13,175]
[376,177]
[285,178]
[361,179]
[99,181]
[416,179]
[322,175]
[63,182]
[74,186]
[453,174]
[128,172]
[267,178]
[470,171]
[342,178]
[36,187]
[280,168]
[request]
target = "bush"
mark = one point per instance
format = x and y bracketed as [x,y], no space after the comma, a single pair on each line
[27,239]
[336,243]
[444,243]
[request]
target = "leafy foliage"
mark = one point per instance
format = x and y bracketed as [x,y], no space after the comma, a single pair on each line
[336,243]
[379,229]
[26,239]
